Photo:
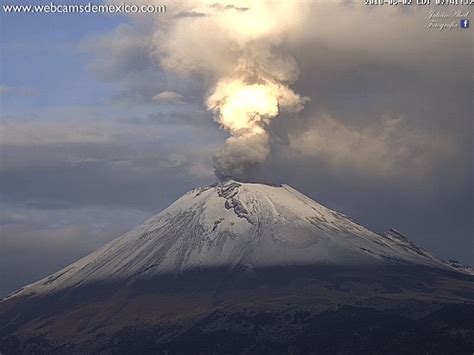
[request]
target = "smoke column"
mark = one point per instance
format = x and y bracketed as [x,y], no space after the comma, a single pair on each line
[244,104]
[251,72]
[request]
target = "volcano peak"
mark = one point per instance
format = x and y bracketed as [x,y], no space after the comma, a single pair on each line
[235,224]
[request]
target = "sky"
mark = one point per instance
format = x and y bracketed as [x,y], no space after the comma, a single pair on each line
[106,120]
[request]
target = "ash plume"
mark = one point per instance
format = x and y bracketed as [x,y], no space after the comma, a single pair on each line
[250,70]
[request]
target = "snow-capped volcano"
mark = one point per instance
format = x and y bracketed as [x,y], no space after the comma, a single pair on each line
[237,225]
[245,268]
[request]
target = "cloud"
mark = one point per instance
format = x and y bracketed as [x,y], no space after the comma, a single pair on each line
[250,84]
[51,239]
[386,148]
[34,133]
[20,91]
[228,7]
[64,162]
[385,115]
[4,89]
[189,14]
[253,42]
[71,143]
[120,53]
[124,56]
[240,155]
[168,97]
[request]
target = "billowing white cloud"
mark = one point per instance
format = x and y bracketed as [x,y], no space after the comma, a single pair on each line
[249,55]
[248,67]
